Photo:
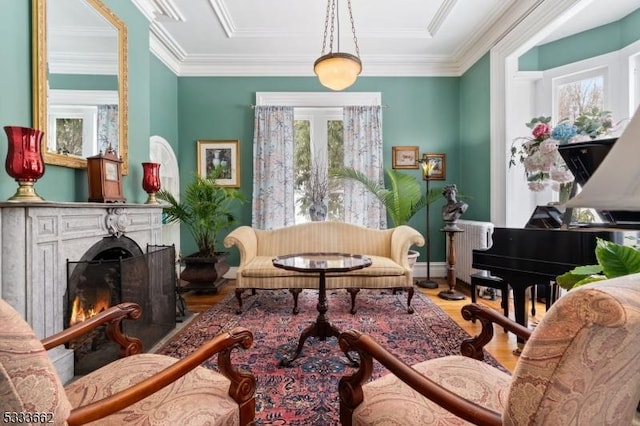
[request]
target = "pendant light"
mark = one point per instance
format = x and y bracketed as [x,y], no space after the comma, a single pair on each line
[337,70]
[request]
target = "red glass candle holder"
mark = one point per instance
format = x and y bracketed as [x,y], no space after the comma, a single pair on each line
[151,181]
[24,160]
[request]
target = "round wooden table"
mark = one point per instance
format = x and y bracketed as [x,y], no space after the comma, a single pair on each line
[321,263]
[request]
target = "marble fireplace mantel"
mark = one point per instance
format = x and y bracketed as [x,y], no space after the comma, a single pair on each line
[39,238]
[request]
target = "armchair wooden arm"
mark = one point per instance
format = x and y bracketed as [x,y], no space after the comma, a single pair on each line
[112,317]
[350,387]
[242,387]
[473,347]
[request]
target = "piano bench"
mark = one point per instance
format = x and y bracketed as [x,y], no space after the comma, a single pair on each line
[483,279]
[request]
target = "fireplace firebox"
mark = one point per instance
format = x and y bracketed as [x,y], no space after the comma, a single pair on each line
[116,270]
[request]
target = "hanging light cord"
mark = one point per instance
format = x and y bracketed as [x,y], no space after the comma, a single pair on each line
[353,29]
[326,27]
[333,16]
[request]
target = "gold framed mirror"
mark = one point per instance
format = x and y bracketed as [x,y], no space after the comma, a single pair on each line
[79,57]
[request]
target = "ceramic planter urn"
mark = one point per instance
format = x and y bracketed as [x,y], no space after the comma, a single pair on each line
[205,273]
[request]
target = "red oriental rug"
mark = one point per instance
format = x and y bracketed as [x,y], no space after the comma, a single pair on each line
[307,393]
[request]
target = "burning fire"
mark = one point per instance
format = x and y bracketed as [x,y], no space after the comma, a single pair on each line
[84,307]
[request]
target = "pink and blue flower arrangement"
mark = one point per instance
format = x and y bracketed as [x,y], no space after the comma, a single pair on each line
[543,164]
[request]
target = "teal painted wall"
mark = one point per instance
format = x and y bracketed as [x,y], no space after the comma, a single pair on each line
[587,44]
[595,42]
[423,111]
[630,28]
[475,137]
[15,78]
[139,98]
[83,82]
[164,102]
[60,183]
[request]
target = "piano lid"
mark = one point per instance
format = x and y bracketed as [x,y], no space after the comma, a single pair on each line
[615,184]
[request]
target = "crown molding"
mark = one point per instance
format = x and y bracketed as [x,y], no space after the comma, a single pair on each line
[502,21]
[159,10]
[83,63]
[441,14]
[223,15]
[167,57]
[83,97]
[296,66]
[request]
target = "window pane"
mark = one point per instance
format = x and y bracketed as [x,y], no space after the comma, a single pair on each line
[302,169]
[580,96]
[336,161]
[328,154]
[69,136]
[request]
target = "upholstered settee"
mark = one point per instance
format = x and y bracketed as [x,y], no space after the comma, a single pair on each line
[387,249]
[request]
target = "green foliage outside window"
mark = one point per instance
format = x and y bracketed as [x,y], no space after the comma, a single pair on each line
[304,163]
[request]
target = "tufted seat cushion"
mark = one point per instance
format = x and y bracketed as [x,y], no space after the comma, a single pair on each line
[198,398]
[262,266]
[389,401]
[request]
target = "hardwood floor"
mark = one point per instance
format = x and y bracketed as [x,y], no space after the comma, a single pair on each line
[501,347]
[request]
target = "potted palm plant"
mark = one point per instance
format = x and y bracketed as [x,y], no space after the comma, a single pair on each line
[205,210]
[403,199]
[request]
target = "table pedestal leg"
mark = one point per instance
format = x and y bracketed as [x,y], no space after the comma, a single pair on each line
[321,328]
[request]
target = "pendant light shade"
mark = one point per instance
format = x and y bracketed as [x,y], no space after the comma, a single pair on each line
[337,70]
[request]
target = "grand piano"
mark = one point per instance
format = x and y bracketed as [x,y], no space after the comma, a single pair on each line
[549,246]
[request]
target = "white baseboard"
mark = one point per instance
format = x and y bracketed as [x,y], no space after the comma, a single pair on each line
[231,273]
[438,270]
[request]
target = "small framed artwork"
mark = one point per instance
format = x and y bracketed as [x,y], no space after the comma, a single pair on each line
[222,156]
[404,157]
[436,166]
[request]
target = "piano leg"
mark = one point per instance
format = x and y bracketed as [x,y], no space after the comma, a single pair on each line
[520,301]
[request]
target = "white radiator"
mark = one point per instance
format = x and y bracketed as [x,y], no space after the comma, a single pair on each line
[476,235]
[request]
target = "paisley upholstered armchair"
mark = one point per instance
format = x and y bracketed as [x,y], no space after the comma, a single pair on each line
[139,388]
[580,366]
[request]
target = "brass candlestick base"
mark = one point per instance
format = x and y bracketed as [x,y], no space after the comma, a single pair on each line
[152,199]
[25,193]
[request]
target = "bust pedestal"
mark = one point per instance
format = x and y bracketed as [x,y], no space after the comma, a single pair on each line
[451,293]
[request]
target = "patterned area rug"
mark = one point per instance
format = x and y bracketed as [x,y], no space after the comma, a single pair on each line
[307,393]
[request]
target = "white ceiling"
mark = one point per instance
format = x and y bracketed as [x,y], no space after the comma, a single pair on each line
[396,38]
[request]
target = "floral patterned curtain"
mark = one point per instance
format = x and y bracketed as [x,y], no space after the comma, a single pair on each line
[363,151]
[107,127]
[273,161]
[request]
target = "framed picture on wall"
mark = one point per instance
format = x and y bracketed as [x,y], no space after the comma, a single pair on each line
[404,157]
[437,166]
[221,155]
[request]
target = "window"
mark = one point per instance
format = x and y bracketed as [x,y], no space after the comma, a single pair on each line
[319,148]
[72,129]
[579,93]
[82,122]
[318,137]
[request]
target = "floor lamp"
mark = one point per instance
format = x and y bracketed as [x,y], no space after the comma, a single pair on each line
[427,169]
